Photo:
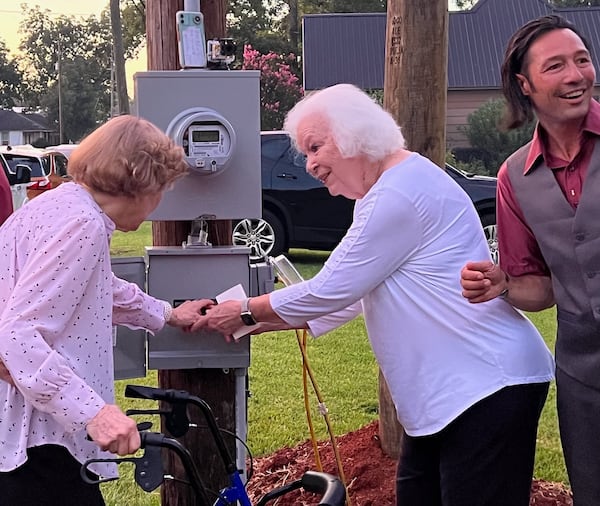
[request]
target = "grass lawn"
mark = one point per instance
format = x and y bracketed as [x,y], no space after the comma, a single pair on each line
[346,372]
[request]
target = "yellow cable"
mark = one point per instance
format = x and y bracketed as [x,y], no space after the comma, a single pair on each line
[311,427]
[307,372]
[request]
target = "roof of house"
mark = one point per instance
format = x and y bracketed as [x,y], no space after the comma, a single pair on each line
[350,48]
[23,122]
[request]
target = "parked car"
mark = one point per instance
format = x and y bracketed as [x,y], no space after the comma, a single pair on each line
[299,212]
[65,149]
[46,169]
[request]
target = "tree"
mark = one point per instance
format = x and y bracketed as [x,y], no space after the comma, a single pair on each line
[82,50]
[279,86]
[10,79]
[465,4]
[83,104]
[494,144]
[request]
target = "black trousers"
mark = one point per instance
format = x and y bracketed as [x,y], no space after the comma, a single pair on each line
[484,457]
[578,408]
[50,477]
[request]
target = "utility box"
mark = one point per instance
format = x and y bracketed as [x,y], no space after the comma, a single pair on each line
[215,116]
[179,274]
[129,345]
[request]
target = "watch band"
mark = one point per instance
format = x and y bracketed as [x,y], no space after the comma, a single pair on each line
[246,315]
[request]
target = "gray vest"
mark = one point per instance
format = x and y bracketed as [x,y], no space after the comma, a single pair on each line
[569,240]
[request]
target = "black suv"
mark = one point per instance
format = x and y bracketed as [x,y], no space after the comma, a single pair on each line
[299,212]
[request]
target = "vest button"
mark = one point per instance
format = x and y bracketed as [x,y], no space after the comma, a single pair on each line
[591,274]
[580,237]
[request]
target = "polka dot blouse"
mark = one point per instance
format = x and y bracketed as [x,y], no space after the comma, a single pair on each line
[58,303]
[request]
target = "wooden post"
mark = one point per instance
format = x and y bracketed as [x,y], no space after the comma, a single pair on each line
[416,73]
[415,87]
[118,59]
[215,386]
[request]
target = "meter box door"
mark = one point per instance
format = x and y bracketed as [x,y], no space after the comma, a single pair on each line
[129,346]
[178,274]
[215,116]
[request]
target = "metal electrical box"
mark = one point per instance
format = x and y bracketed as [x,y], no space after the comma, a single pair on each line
[215,116]
[178,274]
[129,345]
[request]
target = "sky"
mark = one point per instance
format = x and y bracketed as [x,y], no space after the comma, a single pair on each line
[10,18]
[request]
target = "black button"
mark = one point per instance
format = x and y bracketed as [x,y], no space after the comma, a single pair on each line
[580,237]
[591,274]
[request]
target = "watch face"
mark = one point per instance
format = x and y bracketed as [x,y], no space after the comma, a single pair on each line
[248,319]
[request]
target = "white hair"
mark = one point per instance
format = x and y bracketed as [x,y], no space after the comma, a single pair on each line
[358,124]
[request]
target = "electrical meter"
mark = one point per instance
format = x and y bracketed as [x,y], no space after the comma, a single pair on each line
[207,138]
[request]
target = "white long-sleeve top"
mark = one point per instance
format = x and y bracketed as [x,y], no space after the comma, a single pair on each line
[400,265]
[58,303]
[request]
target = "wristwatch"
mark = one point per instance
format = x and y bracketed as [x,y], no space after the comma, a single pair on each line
[246,315]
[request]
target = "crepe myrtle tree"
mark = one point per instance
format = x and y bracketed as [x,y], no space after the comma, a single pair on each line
[279,86]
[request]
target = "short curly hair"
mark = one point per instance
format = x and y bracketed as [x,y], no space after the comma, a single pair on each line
[127,156]
[358,124]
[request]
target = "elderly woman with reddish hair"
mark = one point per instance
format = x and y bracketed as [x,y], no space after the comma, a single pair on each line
[58,303]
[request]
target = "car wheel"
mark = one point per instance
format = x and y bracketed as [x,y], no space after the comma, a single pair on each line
[490,231]
[264,237]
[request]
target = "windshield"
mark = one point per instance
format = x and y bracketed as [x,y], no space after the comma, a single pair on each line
[35,164]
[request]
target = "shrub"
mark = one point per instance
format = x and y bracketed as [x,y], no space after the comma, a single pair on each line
[279,86]
[494,145]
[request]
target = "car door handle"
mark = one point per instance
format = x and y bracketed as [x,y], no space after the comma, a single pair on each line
[286,176]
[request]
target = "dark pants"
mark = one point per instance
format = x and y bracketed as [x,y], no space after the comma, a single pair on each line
[50,477]
[578,407]
[483,458]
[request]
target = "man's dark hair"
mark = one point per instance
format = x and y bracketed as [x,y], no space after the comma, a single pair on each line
[519,109]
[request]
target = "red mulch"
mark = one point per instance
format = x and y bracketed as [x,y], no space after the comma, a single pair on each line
[370,474]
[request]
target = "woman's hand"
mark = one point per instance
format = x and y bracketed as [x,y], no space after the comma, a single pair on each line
[187,314]
[223,317]
[113,431]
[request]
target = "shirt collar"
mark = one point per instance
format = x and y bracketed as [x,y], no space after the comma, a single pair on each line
[591,125]
[108,222]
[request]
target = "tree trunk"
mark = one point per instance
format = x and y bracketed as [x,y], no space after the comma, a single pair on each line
[215,386]
[415,84]
[119,58]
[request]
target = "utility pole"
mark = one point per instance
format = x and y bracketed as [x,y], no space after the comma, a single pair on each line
[215,386]
[415,88]
[60,105]
[118,59]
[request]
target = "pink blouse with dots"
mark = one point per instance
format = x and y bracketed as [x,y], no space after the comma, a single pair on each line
[58,302]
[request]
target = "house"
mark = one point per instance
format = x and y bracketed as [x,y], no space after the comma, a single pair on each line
[18,128]
[351,48]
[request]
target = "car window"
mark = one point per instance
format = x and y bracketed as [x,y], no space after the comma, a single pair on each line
[60,162]
[31,161]
[273,148]
[296,158]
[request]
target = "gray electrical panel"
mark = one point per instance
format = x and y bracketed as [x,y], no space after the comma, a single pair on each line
[129,345]
[179,274]
[215,116]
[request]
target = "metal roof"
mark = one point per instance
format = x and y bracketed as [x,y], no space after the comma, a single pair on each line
[350,48]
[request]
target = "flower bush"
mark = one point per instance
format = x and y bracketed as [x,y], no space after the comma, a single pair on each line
[280,88]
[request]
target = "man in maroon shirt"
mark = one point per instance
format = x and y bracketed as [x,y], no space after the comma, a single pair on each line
[6,206]
[548,210]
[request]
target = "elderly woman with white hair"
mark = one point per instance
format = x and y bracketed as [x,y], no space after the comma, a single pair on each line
[468,380]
